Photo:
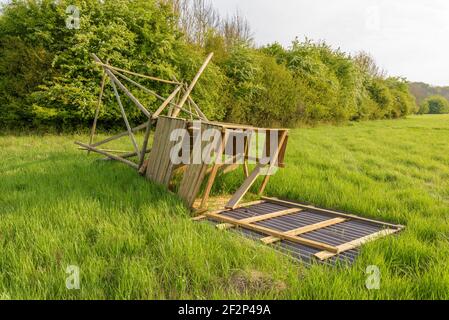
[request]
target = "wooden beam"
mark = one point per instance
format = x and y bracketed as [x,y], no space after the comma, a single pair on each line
[143,151]
[305,229]
[191,86]
[273,162]
[128,155]
[210,182]
[197,108]
[339,214]
[166,103]
[261,217]
[112,156]
[244,187]
[125,118]
[271,232]
[271,215]
[108,150]
[323,255]
[105,65]
[123,88]
[97,111]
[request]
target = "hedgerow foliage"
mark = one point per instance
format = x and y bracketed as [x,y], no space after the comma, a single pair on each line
[434,105]
[48,80]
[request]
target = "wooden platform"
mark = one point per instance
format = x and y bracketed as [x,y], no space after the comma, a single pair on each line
[305,232]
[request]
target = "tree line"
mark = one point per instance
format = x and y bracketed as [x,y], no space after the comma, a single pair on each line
[47,78]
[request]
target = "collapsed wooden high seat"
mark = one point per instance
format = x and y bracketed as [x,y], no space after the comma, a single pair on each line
[160,167]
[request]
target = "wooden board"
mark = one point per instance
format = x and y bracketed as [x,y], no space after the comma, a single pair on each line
[309,228]
[194,175]
[244,188]
[160,166]
[323,255]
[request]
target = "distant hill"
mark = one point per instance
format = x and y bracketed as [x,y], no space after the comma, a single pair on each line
[423,90]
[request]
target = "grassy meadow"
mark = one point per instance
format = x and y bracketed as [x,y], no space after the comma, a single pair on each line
[133,240]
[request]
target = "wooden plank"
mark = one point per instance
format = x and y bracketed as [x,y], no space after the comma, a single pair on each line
[244,187]
[271,232]
[164,156]
[339,214]
[160,166]
[271,215]
[168,168]
[305,229]
[210,182]
[166,103]
[155,152]
[261,217]
[323,255]
[112,156]
[122,110]
[191,86]
[108,150]
[127,155]
[105,65]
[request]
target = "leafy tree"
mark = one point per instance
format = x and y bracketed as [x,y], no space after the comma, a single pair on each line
[435,105]
[58,84]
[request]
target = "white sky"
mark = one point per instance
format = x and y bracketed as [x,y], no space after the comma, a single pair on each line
[408,38]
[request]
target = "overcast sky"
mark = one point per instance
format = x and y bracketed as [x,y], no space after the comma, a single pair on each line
[408,38]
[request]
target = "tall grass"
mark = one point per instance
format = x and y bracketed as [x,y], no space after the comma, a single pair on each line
[133,240]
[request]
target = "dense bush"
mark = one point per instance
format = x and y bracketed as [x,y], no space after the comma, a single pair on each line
[434,105]
[47,78]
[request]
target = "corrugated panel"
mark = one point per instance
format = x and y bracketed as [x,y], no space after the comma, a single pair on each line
[334,235]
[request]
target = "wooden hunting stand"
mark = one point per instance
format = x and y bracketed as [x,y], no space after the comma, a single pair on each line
[312,232]
[158,165]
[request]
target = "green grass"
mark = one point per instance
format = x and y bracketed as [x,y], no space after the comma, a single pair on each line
[133,240]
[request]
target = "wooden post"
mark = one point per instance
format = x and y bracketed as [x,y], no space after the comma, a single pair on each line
[192,85]
[112,156]
[97,111]
[198,110]
[166,103]
[273,162]
[122,110]
[244,188]
[213,173]
[145,144]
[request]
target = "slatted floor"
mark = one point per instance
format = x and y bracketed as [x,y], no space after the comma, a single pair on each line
[302,231]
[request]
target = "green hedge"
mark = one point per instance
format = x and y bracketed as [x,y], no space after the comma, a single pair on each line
[47,79]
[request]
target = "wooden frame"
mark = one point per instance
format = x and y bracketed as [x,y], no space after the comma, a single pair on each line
[272,235]
[179,100]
